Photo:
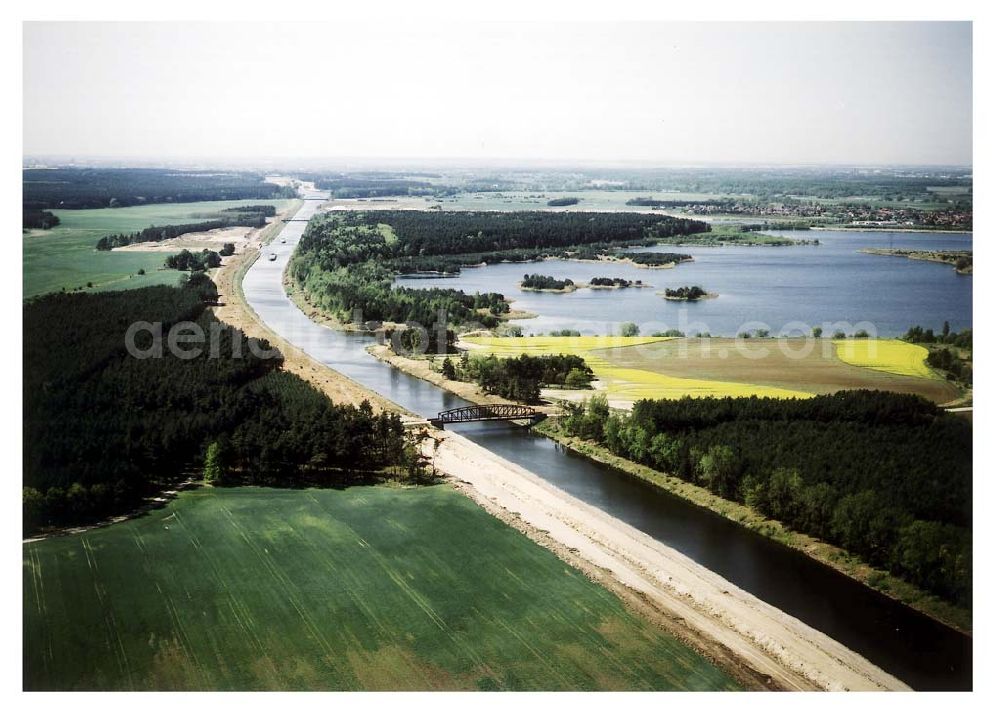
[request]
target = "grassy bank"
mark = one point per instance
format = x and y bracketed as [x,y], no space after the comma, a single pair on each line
[837,558]
[362,589]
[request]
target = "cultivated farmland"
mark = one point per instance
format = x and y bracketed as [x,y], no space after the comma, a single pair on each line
[897,357]
[367,588]
[629,369]
[65,256]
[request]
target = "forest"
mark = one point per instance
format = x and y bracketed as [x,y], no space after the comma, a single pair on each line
[171,231]
[520,378]
[365,292]
[104,429]
[914,184]
[539,282]
[887,476]
[346,261]
[669,203]
[357,187]
[430,233]
[93,188]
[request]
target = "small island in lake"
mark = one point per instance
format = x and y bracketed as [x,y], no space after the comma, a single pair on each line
[960,259]
[687,293]
[538,282]
[603,282]
[563,201]
[652,259]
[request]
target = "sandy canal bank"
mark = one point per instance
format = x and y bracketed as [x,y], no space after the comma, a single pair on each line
[756,641]
[234,311]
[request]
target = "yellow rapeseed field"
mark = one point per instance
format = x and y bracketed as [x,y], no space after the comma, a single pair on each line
[625,384]
[889,355]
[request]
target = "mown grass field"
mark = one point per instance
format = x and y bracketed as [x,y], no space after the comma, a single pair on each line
[629,369]
[368,588]
[65,257]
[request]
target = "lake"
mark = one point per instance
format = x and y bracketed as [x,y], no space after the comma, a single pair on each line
[915,648]
[782,289]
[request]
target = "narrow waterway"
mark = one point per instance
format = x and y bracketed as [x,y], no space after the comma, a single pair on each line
[915,648]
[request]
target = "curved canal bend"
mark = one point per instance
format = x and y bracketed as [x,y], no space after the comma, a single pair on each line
[920,651]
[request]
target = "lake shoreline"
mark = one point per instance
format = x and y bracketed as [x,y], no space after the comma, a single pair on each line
[937,257]
[883,230]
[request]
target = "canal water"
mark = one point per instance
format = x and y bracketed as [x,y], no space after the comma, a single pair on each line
[918,650]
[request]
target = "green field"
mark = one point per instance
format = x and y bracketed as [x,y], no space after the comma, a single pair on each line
[65,257]
[367,588]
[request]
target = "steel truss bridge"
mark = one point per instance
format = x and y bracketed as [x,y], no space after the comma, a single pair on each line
[487,412]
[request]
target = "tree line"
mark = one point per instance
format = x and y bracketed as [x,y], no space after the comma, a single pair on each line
[171,231]
[104,429]
[454,263]
[887,476]
[268,210]
[93,188]
[959,339]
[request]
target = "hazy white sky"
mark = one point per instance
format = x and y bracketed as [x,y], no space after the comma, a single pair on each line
[864,93]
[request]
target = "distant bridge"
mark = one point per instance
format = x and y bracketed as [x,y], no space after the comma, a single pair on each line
[487,412]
